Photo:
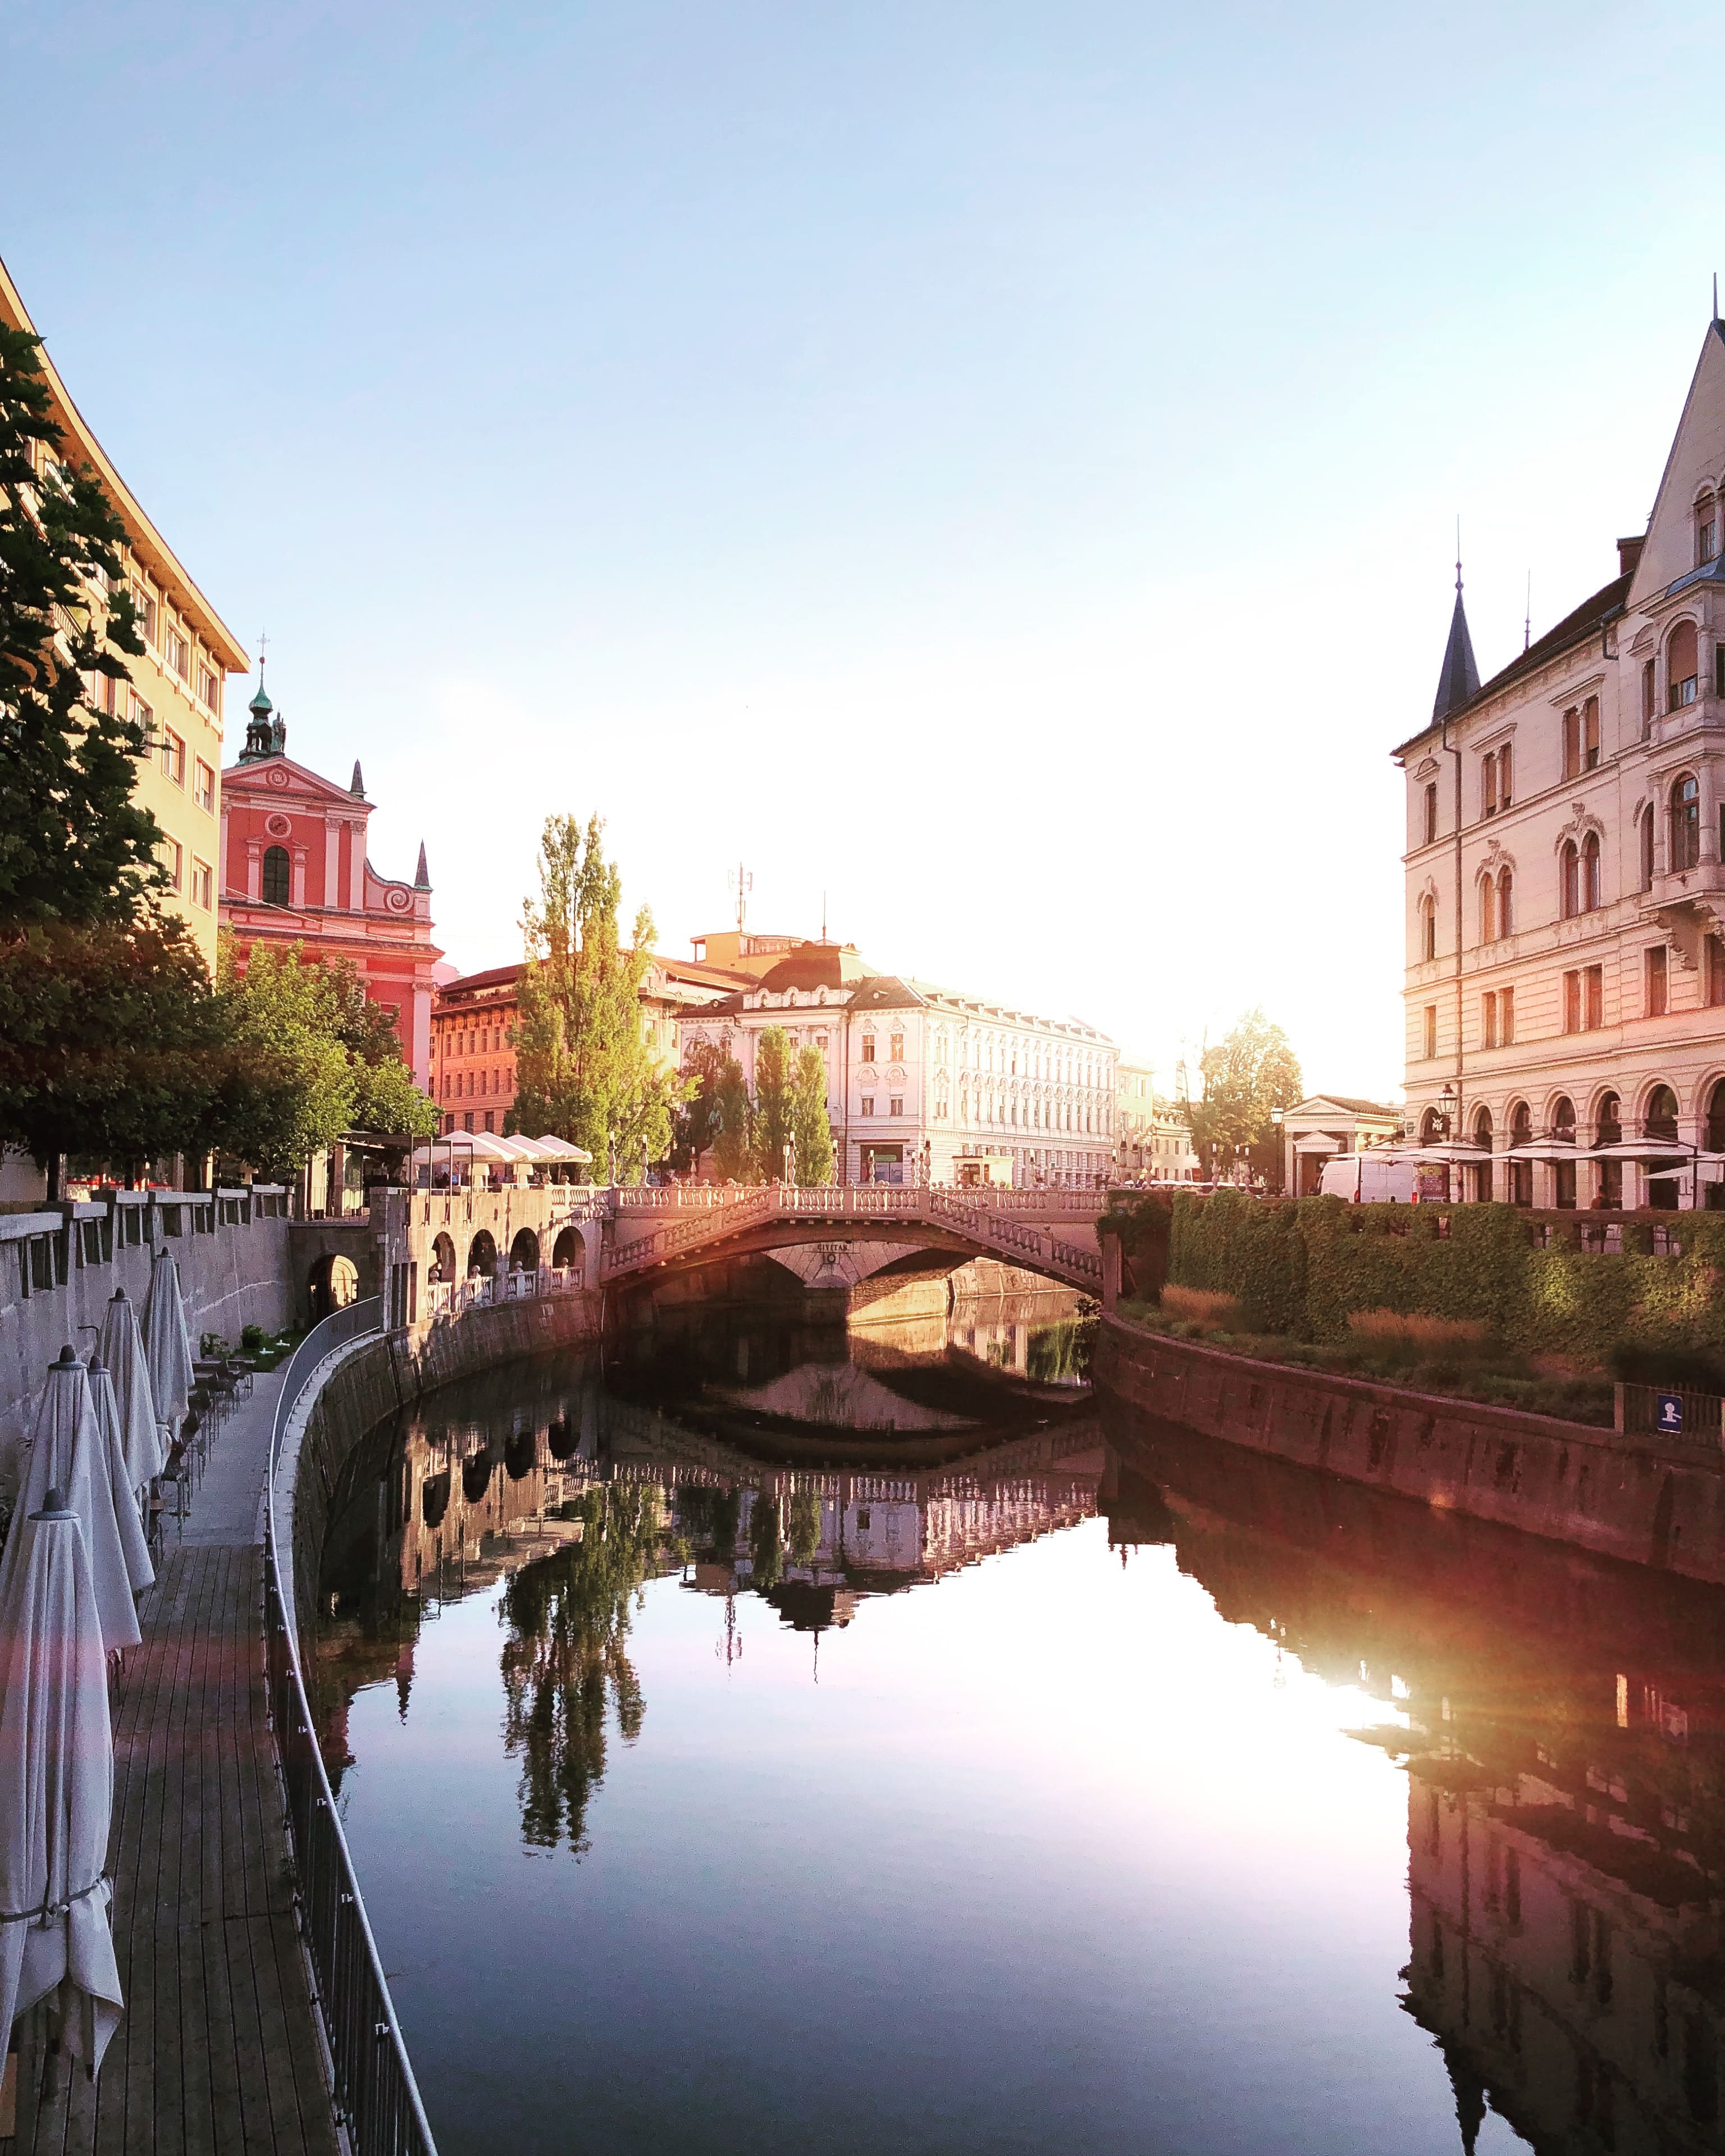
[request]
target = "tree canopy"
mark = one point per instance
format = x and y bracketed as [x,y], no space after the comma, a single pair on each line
[75,846]
[583,1069]
[1248,1075]
[772,1103]
[809,1126]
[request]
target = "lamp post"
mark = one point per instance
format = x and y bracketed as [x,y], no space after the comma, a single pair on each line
[1276,1120]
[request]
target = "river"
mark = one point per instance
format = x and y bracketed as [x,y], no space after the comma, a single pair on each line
[779,1740]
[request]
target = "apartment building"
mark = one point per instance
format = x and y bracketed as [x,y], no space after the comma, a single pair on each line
[1565,874]
[178,686]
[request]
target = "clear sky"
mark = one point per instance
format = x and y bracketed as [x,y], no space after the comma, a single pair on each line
[996,465]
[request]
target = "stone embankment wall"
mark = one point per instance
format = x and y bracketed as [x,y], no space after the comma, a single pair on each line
[391,1372]
[58,1271]
[1622,1497]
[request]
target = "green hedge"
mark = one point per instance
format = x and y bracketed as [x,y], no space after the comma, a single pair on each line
[1300,1267]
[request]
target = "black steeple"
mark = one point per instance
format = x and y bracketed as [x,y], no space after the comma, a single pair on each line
[259,732]
[1459,681]
[358,788]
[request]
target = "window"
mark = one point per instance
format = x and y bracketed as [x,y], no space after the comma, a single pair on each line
[1590,873]
[1488,1019]
[277,876]
[1506,900]
[1719,666]
[1503,777]
[1650,698]
[1429,1044]
[1431,813]
[204,788]
[1707,531]
[1656,984]
[1647,847]
[209,688]
[868,1048]
[896,1104]
[144,718]
[1716,970]
[1505,1018]
[1661,1122]
[1593,997]
[202,885]
[1572,1002]
[178,653]
[1488,910]
[145,607]
[173,755]
[896,1048]
[1488,785]
[1572,742]
[1590,734]
[1681,667]
[1569,879]
[868,1104]
[171,858]
[1716,1119]
[1686,824]
[1428,928]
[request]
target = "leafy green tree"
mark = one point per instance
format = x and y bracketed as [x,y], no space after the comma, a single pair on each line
[583,1070]
[772,1102]
[707,1069]
[112,1047]
[1246,1076]
[74,845]
[733,1145]
[809,1127]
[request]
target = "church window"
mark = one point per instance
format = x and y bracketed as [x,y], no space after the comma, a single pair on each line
[276,875]
[1686,824]
[1681,666]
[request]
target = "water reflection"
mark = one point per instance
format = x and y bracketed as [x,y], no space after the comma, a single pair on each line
[1561,1722]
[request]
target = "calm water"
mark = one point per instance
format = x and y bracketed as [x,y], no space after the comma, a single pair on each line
[785,1741]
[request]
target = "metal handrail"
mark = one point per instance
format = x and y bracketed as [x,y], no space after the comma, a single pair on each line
[376,2095]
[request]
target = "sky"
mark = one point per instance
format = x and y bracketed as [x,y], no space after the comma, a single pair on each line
[991,470]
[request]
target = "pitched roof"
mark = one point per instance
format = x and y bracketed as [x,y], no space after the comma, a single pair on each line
[817,966]
[1590,616]
[1345,1101]
[1459,678]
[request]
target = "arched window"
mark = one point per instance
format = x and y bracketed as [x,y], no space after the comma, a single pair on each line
[1431,1126]
[1707,531]
[1660,1121]
[1590,872]
[1521,1172]
[1488,910]
[1563,1120]
[1686,824]
[1506,903]
[1681,667]
[1569,879]
[1716,1118]
[1428,928]
[1520,1124]
[278,877]
[1482,1138]
[1646,837]
[1610,1128]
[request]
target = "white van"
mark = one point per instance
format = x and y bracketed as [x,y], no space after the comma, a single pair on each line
[1368,1178]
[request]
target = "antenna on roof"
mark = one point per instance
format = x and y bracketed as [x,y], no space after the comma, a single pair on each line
[741,884]
[822,917]
[1716,295]
[1528,624]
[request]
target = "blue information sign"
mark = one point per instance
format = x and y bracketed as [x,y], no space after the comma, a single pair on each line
[1668,1416]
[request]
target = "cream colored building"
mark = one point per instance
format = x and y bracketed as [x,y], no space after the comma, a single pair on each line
[921,1080]
[1565,874]
[177,685]
[1152,1137]
[1326,1126]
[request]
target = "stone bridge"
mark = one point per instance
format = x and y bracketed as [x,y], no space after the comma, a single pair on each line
[833,1235]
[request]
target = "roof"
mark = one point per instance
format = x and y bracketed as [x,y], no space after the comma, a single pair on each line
[1459,678]
[1590,616]
[1347,1103]
[148,545]
[677,969]
[497,976]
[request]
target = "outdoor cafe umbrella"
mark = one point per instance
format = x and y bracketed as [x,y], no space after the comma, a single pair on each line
[70,1453]
[134,1546]
[122,1350]
[168,1348]
[56,1788]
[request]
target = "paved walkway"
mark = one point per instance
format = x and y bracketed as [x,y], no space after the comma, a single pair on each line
[219,2051]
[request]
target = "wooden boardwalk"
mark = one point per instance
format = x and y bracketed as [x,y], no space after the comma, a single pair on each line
[219,2051]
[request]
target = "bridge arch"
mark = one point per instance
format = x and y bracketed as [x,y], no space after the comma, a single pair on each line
[523,1252]
[567,1250]
[481,1256]
[332,1285]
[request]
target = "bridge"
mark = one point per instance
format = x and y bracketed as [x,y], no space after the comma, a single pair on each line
[484,1246]
[837,1234]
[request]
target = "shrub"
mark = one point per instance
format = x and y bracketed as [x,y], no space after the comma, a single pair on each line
[1416,1336]
[252,1339]
[1207,1307]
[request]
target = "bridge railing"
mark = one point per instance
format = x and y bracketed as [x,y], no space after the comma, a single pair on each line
[998,1198]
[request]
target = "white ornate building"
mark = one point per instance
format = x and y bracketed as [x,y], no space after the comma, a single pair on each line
[921,1081]
[1565,874]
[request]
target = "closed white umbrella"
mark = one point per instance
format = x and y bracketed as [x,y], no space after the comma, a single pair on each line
[168,1348]
[123,1352]
[134,1544]
[68,1453]
[56,1788]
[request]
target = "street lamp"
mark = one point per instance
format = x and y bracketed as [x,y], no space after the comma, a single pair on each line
[1448,1098]
[1276,1121]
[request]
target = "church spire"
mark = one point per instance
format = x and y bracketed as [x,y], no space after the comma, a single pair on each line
[1459,680]
[359,787]
[422,879]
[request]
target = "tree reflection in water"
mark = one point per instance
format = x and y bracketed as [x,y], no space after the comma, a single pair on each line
[564,1670]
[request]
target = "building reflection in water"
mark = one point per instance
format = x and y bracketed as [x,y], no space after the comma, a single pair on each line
[1562,1726]
[559,1491]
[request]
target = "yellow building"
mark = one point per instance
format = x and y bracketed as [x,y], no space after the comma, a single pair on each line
[176,686]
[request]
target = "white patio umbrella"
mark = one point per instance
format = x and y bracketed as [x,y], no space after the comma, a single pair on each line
[122,1350]
[56,1788]
[168,1347]
[68,1453]
[134,1544]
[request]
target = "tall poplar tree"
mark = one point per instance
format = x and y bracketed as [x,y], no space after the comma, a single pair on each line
[773,1102]
[809,1126]
[583,1070]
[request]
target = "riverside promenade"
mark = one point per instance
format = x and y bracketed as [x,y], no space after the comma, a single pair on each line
[219,2051]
